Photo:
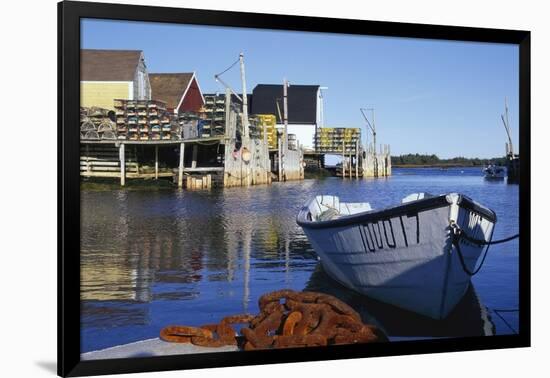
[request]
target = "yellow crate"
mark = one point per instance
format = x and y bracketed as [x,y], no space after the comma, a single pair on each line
[267,119]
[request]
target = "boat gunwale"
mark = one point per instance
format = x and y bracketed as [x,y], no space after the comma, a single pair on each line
[405,209]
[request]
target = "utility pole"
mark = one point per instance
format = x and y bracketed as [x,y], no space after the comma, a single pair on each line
[245,99]
[285,114]
[284,144]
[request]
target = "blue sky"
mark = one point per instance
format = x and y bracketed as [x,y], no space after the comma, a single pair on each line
[430,96]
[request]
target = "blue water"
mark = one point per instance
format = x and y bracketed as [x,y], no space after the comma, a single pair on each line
[150,258]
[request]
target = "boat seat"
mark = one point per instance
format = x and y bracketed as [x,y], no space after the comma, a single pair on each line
[416,197]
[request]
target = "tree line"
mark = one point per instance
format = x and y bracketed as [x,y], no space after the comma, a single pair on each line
[434,160]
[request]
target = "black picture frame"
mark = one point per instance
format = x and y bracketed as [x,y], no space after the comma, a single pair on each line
[69,15]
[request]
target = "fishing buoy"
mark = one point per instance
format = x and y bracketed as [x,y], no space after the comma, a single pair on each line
[246,155]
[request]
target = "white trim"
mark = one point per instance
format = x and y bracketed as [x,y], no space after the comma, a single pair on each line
[131,90]
[193,77]
[198,85]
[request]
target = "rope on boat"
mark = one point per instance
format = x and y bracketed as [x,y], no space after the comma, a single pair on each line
[458,233]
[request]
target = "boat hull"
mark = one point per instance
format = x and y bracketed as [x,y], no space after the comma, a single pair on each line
[403,256]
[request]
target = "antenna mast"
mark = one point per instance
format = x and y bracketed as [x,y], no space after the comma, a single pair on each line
[245,97]
[371,126]
[507,128]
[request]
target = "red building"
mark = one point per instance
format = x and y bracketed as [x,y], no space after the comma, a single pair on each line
[180,91]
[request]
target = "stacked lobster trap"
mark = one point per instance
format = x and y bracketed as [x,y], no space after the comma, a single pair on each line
[212,122]
[337,139]
[267,122]
[96,124]
[145,120]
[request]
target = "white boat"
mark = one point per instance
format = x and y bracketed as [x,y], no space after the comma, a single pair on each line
[402,255]
[494,172]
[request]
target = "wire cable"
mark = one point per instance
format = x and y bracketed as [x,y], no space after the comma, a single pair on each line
[228,68]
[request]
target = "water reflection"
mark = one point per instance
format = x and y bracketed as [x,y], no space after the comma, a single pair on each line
[155,257]
[469,318]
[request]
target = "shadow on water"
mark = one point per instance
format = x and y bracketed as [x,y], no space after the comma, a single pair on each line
[469,318]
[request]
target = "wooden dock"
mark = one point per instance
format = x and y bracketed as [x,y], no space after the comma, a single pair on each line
[232,159]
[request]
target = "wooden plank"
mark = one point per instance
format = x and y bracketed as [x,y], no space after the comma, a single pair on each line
[147,142]
[116,158]
[100,174]
[105,163]
[106,169]
[203,169]
[131,175]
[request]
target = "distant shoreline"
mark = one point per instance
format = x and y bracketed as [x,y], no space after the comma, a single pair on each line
[435,166]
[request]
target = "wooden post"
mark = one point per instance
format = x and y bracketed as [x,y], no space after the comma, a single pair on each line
[266,157]
[122,157]
[156,162]
[285,115]
[357,159]
[244,97]
[195,152]
[241,166]
[350,166]
[280,162]
[227,112]
[343,160]
[180,170]
[285,132]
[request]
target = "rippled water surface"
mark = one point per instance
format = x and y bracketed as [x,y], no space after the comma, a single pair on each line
[155,256]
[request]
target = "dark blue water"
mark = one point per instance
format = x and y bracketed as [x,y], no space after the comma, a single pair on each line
[153,257]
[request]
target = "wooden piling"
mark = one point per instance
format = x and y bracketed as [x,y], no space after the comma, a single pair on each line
[180,170]
[195,153]
[343,160]
[122,165]
[357,159]
[156,162]
[280,161]
[350,166]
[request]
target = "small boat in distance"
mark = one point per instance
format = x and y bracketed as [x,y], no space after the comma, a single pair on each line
[405,255]
[494,172]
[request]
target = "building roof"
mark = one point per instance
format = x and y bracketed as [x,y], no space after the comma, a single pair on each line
[302,102]
[109,65]
[170,87]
